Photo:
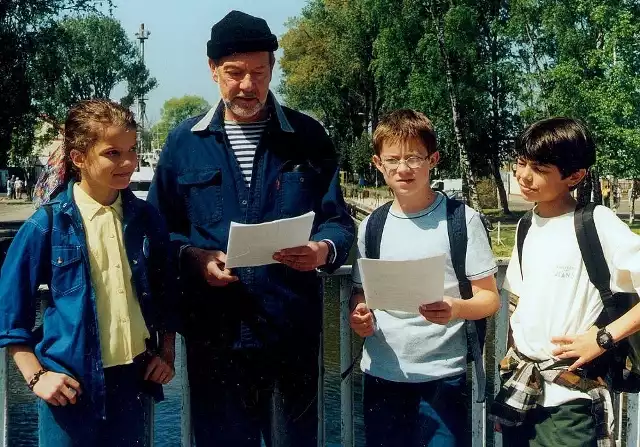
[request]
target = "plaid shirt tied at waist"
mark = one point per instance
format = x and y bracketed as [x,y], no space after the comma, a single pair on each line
[522,390]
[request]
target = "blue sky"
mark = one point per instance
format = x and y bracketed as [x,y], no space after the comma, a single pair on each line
[176,50]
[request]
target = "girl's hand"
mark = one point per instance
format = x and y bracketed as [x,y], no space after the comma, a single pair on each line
[159,371]
[57,389]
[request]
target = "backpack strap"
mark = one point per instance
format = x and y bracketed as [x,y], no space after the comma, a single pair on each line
[593,256]
[372,240]
[521,233]
[457,228]
[373,232]
[458,240]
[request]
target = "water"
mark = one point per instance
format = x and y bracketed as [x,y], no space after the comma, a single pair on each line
[22,417]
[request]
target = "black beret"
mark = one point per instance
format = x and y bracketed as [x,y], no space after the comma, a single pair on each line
[238,32]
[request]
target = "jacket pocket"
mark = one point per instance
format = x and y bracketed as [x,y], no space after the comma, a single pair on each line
[203,194]
[296,192]
[66,270]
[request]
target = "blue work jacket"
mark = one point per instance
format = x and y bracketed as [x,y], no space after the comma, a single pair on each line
[199,189]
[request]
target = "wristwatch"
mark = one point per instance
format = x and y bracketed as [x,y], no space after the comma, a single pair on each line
[605,339]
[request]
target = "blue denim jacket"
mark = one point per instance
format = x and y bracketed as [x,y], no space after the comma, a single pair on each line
[199,189]
[69,341]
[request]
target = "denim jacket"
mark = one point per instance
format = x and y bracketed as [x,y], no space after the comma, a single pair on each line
[199,189]
[69,340]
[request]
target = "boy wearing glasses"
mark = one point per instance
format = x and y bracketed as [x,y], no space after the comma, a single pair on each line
[415,364]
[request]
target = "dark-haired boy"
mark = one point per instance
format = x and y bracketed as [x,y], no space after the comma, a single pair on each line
[548,399]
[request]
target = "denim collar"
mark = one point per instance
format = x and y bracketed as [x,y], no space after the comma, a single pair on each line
[214,119]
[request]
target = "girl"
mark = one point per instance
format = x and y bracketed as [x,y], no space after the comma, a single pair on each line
[106,344]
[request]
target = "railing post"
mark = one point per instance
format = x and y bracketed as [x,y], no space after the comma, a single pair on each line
[4,417]
[321,430]
[346,357]
[185,419]
[501,329]
[633,420]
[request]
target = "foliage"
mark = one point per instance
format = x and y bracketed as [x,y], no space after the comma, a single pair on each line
[174,111]
[481,70]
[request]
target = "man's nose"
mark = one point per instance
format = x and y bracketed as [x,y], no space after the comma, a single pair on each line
[247,83]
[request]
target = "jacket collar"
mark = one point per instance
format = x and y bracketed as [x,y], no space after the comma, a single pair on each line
[214,119]
[130,205]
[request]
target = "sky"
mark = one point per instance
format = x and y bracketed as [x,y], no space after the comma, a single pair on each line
[175,52]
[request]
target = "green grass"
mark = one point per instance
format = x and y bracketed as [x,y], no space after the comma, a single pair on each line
[508,235]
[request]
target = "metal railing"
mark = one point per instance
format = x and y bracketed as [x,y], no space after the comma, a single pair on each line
[627,428]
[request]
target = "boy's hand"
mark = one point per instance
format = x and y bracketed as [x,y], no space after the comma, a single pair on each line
[361,320]
[305,258]
[159,371]
[57,389]
[441,312]
[584,347]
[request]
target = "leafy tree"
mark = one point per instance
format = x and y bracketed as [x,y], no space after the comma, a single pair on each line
[25,31]
[174,111]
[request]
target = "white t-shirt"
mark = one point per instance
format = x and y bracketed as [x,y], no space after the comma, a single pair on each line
[405,347]
[556,296]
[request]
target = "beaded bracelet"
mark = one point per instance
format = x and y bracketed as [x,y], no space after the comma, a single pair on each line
[35,378]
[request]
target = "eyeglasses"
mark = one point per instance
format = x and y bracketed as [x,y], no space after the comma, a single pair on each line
[413,162]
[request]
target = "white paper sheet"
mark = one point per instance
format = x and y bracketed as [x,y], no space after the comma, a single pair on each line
[254,244]
[402,285]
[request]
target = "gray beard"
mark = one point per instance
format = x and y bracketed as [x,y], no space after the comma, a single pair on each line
[243,112]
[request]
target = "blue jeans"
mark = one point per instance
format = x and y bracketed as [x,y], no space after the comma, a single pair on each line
[432,414]
[127,415]
[237,399]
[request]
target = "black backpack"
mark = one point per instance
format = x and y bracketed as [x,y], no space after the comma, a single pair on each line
[457,229]
[620,366]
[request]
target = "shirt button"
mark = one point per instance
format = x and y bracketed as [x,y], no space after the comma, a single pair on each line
[112,236]
[120,291]
[244,202]
[301,179]
[117,266]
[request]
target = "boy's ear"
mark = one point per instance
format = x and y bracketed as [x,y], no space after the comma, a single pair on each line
[378,162]
[434,159]
[78,159]
[577,177]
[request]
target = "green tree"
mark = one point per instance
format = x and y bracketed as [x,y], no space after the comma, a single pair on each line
[93,55]
[25,31]
[174,111]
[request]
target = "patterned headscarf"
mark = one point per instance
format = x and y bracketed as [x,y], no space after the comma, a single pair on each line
[52,178]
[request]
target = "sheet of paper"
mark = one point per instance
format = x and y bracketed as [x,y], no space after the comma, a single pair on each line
[402,285]
[254,244]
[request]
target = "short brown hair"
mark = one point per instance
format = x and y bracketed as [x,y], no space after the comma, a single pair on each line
[403,125]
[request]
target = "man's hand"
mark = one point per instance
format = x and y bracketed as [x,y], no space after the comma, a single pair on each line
[305,258]
[211,265]
[361,320]
[57,389]
[159,371]
[441,312]
[585,347]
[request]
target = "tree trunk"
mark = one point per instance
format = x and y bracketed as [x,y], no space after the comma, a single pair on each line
[633,196]
[615,195]
[502,192]
[469,187]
